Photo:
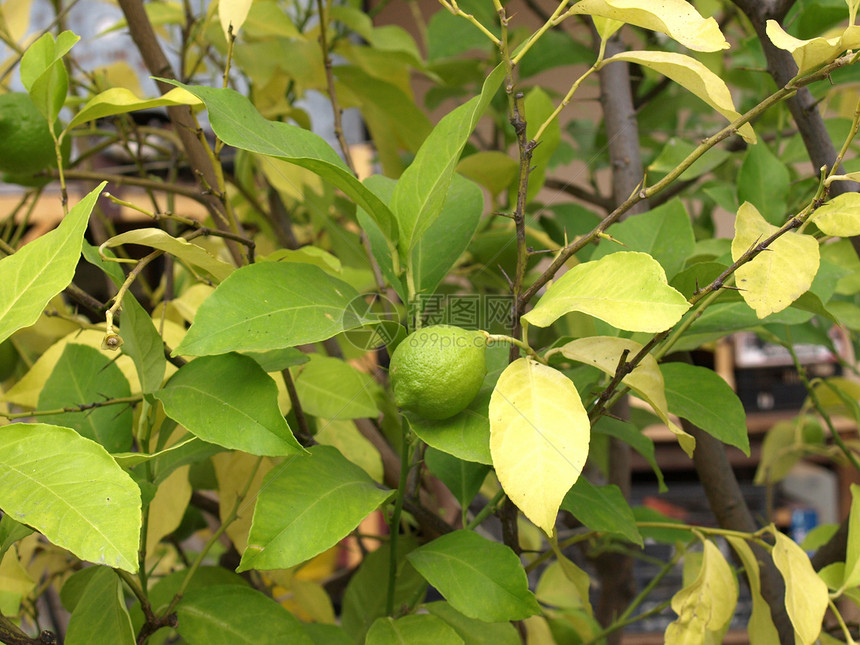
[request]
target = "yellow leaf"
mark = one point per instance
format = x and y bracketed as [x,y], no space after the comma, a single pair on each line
[675,18]
[26,391]
[15,583]
[119,100]
[693,76]
[539,435]
[628,290]
[840,216]
[604,352]
[232,470]
[805,593]
[809,54]
[760,628]
[777,276]
[708,603]
[233,13]
[167,508]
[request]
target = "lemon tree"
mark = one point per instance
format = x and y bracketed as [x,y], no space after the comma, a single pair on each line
[436,371]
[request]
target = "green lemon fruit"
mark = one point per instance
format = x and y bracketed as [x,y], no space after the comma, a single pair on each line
[26,144]
[437,371]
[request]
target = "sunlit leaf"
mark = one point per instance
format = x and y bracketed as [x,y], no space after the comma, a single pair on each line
[101,610]
[809,54]
[675,18]
[775,278]
[43,268]
[72,491]
[693,76]
[708,603]
[232,14]
[539,436]
[646,379]
[806,594]
[840,216]
[118,100]
[761,629]
[330,388]
[628,290]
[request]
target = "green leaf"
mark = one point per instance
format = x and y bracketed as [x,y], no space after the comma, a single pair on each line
[694,77]
[100,615]
[852,558]
[473,631]
[465,435]
[10,532]
[763,181]
[775,278]
[330,388]
[461,562]
[675,18]
[539,435]
[271,305]
[238,123]
[538,108]
[420,629]
[627,290]
[422,189]
[72,491]
[631,435]
[449,236]
[43,268]
[363,601]
[44,75]
[492,169]
[119,100]
[761,629]
[463,478]
[306,505]
[806,594]
[84,375]
[708,603]
[233,615]
[602,508]
[188,252]
[230,401]
[706,400]
[143,344]
[665,233]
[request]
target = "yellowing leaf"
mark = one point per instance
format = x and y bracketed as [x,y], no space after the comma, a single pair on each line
[805,593]
[675,18]
[119,100]
[232,469]
[809,54]
[840,216]
[232,14]
[760,628]
[708,603]
[167,508]
[626,289]
[539,435]
[181,248]
[604,352]
[693,76]
[779,275]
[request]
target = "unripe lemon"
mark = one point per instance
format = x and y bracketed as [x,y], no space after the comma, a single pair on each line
[26,145]
[436,371]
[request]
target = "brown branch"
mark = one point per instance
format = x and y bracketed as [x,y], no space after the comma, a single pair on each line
[143,35]
[580,193]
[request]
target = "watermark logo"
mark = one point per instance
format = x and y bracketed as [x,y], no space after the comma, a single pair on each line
[372,321]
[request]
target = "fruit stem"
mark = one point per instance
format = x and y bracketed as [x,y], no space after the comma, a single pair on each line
[501,338]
